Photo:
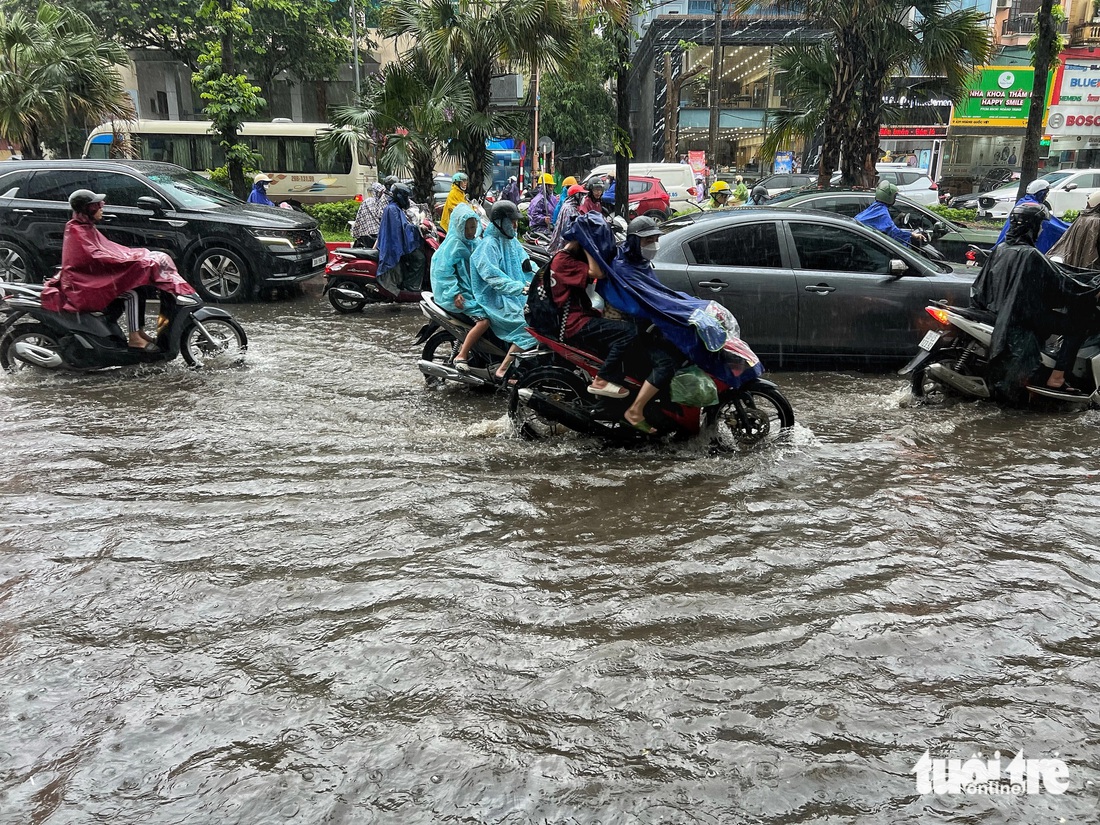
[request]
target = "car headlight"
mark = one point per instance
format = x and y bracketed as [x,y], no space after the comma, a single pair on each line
[281,240]
[1004,198]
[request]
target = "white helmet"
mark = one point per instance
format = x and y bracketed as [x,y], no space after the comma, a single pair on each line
[1038,185]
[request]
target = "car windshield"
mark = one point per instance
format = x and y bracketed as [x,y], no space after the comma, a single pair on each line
[193,191]
[1054,177]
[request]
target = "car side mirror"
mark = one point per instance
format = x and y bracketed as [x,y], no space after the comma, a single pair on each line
[939,229]
[898,267]
[1070,187]
[152,204]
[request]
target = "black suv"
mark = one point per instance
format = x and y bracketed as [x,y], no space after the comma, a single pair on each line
[225,247]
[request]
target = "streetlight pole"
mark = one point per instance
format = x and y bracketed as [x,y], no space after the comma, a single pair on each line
[355,45]
[715,68]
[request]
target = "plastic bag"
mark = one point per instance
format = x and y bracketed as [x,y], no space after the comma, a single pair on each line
[693,388]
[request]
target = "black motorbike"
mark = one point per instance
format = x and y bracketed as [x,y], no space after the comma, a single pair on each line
[31,336]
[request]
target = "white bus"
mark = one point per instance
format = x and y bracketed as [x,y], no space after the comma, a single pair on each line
[299,168]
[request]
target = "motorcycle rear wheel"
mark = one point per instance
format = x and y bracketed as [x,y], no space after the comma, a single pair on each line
[345,305]
[30,333]
[768,414]
[226,349]
[559,384]
[441,348]
[927,389]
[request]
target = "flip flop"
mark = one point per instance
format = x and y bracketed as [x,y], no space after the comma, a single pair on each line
[610,391]
[461,364]
[644,426]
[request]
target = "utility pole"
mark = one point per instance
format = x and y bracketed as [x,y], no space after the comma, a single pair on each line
[715,68]
[536,163]
[355,45]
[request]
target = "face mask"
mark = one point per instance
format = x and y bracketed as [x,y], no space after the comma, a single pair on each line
[649,251]
[507,229]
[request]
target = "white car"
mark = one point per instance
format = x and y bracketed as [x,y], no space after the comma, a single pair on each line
[677,178]
[914,184]
[1069,189]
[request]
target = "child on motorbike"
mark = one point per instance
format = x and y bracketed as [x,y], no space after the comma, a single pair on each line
[500,271]
[452,285]
[95,271]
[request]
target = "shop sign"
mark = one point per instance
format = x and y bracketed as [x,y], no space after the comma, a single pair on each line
[996,96]
[1073,120]
[938,131]
[1079,84]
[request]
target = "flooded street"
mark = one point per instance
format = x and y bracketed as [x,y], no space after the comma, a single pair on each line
[311,590]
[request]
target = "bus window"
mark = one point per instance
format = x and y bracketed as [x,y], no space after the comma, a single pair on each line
[268,149]
[167,148]
[337,162]
[207,154]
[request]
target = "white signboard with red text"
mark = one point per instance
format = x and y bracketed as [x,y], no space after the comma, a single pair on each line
[1075,103]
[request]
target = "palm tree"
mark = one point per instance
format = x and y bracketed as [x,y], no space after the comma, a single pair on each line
[868,43]
[476,39]
[413,112]
[55,68]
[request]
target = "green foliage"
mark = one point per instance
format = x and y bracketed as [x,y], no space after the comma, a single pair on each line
[1071,215]
[220,176]
[1057,17]
[56,70]
[955,215]
[577,111]
[333,217]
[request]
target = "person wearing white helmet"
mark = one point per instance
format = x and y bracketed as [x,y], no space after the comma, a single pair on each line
[258,195]
[1053,228]
[1080,246]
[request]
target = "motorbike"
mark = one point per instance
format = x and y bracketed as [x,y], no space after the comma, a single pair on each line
[954,361]
[351,275]
[551,396]
[441,338]
[31,336]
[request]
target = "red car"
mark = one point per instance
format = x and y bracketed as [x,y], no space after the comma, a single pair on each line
[648,196]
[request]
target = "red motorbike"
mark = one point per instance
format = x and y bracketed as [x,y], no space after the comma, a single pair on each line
[551,395]
[351,275]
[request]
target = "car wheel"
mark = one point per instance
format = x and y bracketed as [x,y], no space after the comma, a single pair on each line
[657,215]
[15,264]
[220,275]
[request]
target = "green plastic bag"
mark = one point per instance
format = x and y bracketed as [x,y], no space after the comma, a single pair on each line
[693,388]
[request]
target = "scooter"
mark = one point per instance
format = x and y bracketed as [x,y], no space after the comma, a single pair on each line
[351,275]
[954,361]
[551,396]
[31,336]
[442,337]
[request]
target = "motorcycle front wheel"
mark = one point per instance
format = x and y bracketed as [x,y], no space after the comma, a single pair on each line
[36,334]
[555,383]
[764,416]
[215,342]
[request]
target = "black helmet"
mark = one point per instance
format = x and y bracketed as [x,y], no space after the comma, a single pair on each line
[597,183]
[643,227]
[401,195]
[389,181]
[759,193]
[1026,220]
[504,216]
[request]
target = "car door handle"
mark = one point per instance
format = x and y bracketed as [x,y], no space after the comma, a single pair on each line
[107,218]
[820,289]
[24,211]
[715,285]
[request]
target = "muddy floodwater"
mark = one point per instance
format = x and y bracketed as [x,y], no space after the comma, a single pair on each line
[312,590]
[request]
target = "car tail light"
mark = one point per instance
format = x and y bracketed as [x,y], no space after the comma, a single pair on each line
[934,185]
[939,314]
[358,198]
[693,191]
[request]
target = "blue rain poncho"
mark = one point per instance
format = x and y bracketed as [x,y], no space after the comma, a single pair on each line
[877,216]
[496,268]
[451,265]
[397,237]
[692,325]
[1050,234]
[258,195]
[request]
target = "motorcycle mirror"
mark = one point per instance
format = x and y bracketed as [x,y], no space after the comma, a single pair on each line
[150,203]
[939,229]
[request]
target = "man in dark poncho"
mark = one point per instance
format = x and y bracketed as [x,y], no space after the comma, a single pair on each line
[1025,289]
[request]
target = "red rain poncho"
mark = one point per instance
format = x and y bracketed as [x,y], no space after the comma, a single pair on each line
[95,271]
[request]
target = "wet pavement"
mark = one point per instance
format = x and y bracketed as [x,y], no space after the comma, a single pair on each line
[312,590]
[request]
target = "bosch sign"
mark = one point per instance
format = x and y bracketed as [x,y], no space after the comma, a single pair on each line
[1082,120]
[1073,120]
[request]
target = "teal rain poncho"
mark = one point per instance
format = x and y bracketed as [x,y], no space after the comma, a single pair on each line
[499,280]
[451,265]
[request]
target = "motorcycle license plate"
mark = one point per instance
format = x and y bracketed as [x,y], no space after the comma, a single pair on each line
[929,340]
[319,260]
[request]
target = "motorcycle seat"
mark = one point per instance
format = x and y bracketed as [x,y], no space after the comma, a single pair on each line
[358,253]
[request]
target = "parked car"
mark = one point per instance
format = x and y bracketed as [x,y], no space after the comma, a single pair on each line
[1069,189]
[915,184]
[779,183]
[809,289]
[677,179]
[949,238]
[225,247]
[647,196]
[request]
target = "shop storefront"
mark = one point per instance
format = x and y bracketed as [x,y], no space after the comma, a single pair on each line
[987,128]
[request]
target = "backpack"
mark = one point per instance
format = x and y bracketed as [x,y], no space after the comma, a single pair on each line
[541,313]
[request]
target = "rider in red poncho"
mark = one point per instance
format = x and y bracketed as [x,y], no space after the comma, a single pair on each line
[96,271]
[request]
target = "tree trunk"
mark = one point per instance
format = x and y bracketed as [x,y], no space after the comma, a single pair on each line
[859,163]
[229,134]
[623,150]
[475,154]
[32,145]
[1044,54]
[423,169]
[837,129]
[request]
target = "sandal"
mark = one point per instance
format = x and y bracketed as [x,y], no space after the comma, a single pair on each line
[1063,389]
[609,391]
[461,364]
[644,426]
